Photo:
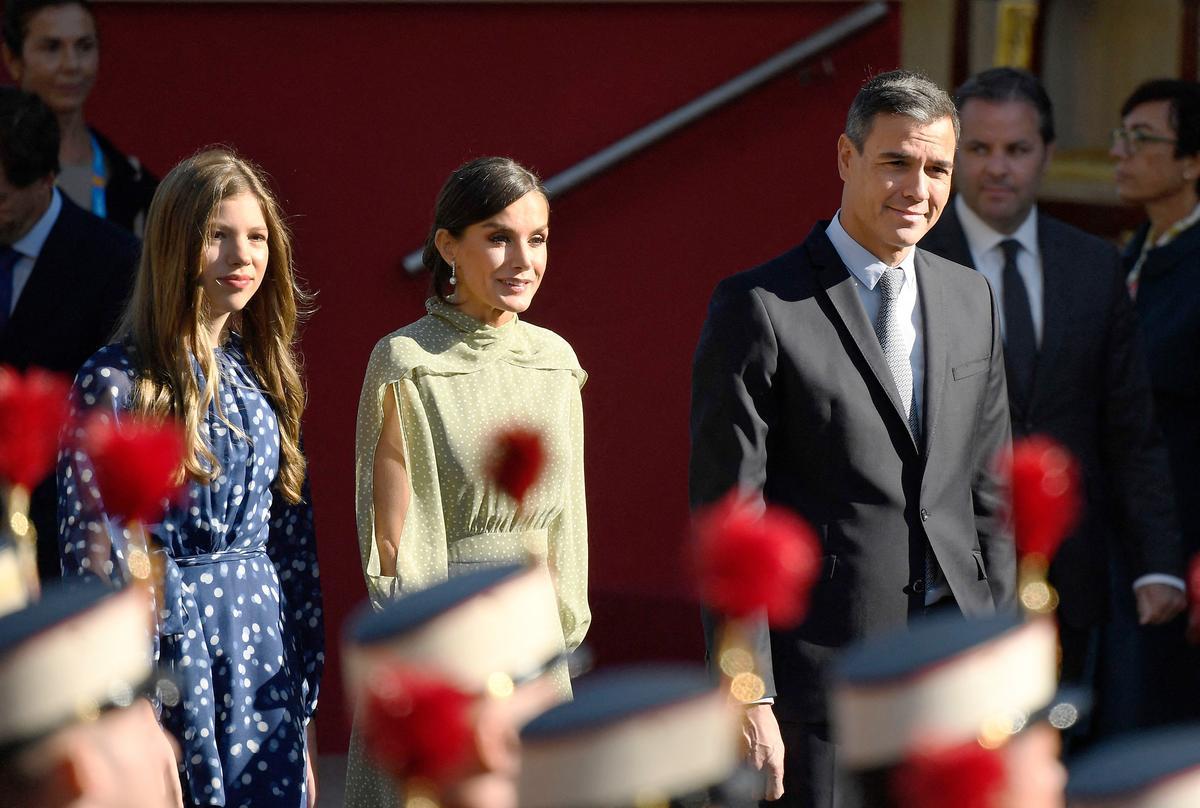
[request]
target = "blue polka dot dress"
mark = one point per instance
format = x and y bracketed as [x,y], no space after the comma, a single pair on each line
[240,626]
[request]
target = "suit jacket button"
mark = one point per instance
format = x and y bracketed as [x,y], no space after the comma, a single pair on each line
[924,515]
[918,586]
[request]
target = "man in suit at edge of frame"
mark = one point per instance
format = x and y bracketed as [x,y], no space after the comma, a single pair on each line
[1075,364]
[860,382]
[64,273]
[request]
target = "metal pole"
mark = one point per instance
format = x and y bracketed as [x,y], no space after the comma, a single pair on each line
[734,88]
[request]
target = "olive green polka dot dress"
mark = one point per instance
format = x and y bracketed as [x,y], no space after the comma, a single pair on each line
[458,383]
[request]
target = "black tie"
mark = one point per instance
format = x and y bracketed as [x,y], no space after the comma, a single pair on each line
[1020,343]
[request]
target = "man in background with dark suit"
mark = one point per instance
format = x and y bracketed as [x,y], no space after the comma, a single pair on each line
[860,382]
[64,273]
[1075,366]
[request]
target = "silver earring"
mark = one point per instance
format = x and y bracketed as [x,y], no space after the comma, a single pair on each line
[453,296]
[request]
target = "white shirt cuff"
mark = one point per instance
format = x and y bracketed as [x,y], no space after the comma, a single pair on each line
[1160,578]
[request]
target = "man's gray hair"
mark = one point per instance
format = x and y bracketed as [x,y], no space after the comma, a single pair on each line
[900,92]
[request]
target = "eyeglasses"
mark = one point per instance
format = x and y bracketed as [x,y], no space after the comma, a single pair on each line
[1132,140]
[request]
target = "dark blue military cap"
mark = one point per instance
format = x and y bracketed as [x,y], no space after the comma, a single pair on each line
[68,656]
[1158,769]
[497,623]
[630,735]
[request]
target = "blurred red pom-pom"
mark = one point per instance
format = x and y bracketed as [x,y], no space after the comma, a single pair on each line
[517,462]
[1045,495]
[136,465]
[33,409]
[966,776]
[748,562]
[417,725]
[1193,586]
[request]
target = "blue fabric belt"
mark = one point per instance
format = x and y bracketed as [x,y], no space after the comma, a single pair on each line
[175,615]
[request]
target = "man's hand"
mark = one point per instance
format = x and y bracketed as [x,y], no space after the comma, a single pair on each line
[764,747]
[1158,603]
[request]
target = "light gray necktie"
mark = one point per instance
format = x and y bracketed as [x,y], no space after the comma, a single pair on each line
[891,339]
[895,351]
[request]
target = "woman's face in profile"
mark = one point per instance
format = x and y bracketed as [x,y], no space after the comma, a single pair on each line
[59,57]
[499,262]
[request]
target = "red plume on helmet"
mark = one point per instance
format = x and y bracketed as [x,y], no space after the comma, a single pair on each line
[966,776]
[748,561]
[136,464]
[417,725]
[33,409]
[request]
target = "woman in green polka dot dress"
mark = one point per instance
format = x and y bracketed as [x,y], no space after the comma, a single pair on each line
[439,390]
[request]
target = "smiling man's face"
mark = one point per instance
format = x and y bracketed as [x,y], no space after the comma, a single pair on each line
[895,188]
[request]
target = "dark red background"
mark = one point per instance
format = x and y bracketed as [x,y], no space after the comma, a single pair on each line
[360,110]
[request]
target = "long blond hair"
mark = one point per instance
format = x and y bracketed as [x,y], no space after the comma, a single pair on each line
[165,321]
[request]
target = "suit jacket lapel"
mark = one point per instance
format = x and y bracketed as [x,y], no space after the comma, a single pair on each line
[933,315]
[45,289]
[836,281]
[1056,306]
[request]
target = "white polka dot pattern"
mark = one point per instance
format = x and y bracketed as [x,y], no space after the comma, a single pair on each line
[242,625]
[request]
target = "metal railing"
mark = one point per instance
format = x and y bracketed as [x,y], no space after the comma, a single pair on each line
[734,88]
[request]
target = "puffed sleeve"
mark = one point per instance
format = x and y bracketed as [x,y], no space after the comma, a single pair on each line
[568,541]
[293,549]
[90,543]
[422,556]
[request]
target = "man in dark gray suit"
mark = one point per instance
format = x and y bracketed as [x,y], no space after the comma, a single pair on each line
[860,382]
[1076,370]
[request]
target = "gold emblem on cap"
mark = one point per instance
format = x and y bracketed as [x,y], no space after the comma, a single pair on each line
[500,685]
[650,800]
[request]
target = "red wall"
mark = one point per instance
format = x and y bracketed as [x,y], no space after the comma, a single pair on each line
[360,110]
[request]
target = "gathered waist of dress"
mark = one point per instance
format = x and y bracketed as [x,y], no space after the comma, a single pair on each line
[500,547]
[202,559]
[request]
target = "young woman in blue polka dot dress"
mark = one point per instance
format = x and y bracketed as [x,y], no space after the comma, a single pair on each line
[208,339]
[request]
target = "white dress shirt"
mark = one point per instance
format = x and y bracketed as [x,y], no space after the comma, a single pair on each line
[984,243]
[865,270]
[988,256]
[30,247]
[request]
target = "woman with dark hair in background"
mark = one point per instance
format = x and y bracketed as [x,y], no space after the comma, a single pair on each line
[438,391]
[51,48]
[208,340]
[1154,671]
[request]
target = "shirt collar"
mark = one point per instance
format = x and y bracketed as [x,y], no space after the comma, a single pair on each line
[31,243]
[981,237]
[862,264]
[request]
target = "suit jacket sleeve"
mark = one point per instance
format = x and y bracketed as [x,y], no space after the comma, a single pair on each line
[990,488]
[1134,453]
[733,412]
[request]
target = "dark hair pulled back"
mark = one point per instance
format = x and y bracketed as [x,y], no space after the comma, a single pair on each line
[474,192]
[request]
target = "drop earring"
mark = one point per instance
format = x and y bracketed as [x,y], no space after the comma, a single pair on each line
[453,296]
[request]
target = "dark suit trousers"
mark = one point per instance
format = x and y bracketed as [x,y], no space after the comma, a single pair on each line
[810,770]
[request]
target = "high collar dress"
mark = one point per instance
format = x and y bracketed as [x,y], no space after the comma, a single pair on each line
[458,383]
